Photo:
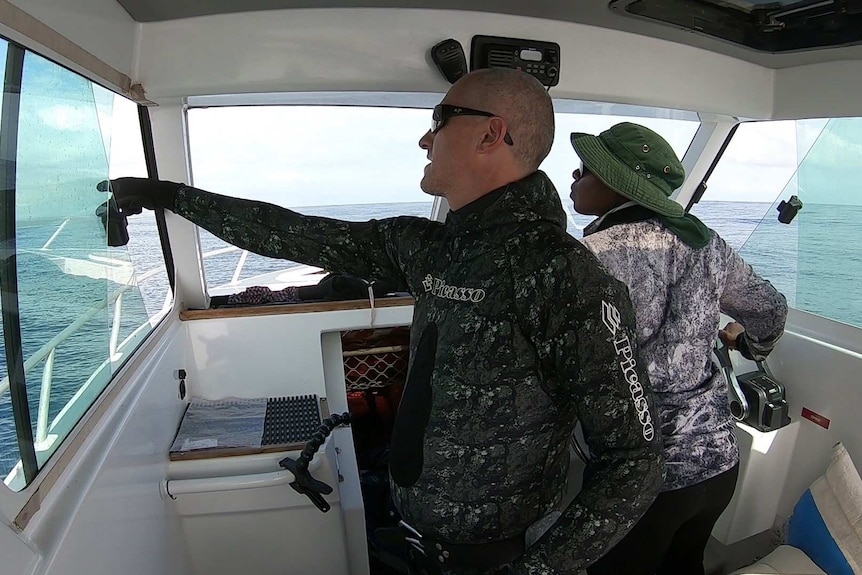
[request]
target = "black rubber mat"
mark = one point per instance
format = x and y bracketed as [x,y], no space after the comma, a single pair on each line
[290,419]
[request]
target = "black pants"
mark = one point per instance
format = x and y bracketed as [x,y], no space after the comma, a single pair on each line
[671,536]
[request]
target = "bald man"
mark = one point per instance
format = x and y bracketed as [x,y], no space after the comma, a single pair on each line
[517,334]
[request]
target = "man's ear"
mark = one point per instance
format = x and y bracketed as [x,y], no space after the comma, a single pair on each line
[493,136]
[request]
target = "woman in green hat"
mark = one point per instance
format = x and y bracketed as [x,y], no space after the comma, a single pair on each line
[681,275]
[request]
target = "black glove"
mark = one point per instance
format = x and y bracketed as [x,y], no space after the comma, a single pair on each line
[134,194]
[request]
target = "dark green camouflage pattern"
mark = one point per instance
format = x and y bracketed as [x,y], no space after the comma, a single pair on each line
[526,348]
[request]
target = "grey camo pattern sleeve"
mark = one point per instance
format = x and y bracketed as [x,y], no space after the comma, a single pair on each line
[608,389]
[369,250]
[753,302]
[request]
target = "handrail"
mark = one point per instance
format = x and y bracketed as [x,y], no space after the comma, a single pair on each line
[46,349]
[226,250]
[174,487]
[55,234]
[220,251]
[45,399]
[115,328]
[242,259]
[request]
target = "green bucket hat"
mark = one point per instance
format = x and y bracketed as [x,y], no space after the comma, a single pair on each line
[636,163]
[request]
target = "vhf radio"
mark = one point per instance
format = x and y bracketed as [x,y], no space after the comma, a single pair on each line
[539,59]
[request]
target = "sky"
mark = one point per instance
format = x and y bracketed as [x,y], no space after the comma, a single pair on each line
[309,156]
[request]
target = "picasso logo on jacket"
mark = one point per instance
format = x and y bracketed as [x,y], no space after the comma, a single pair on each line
[439,288]
[622,345]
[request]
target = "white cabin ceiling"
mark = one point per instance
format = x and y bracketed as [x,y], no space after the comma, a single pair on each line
[591,12]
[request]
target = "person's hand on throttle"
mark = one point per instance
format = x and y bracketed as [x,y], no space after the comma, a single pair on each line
[730,333]
[134,194]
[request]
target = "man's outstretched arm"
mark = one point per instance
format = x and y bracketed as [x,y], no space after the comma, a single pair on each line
[370,250]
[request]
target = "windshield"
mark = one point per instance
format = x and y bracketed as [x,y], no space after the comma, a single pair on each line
[356,162]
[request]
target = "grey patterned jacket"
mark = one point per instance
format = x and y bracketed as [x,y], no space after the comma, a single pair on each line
[678,293]
[532,335]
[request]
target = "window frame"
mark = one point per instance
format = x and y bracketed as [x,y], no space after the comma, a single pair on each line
[13,345]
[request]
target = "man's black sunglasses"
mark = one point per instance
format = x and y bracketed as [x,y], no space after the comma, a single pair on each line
[443,112]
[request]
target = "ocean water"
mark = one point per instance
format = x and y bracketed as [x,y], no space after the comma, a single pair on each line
[803,260]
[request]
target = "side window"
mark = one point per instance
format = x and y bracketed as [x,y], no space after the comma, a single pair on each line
[756,171]
[830,268]
[82,306]
[814,259]
[346,162]
[757,166]
[562,160]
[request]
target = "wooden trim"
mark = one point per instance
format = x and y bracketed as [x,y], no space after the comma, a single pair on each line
[194,314]
[217,452]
